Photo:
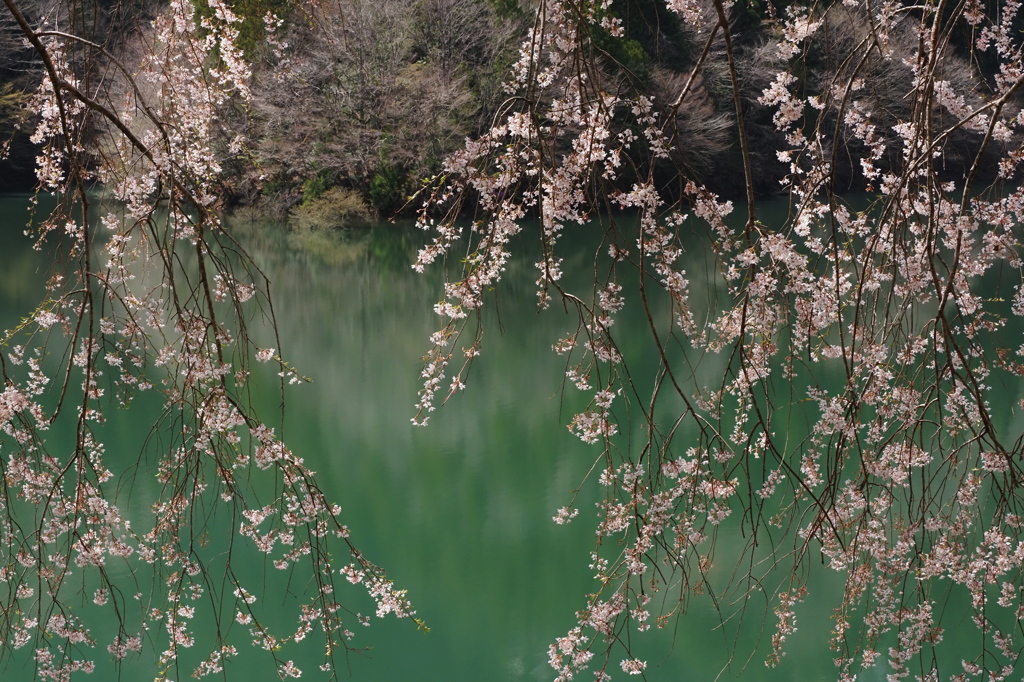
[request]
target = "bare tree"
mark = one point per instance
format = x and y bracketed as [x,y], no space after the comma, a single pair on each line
[385,87]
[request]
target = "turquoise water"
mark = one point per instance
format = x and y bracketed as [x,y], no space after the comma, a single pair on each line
[459,512]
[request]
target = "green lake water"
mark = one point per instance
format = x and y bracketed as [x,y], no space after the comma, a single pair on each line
[459,512]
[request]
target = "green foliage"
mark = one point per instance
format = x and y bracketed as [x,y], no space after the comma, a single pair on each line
[507,9]
[336,208]
[17,153]
[629,54]
[314,187]
[12,108]
[652,37]
[387,189]
[747,15]
[252,30]
[274,185]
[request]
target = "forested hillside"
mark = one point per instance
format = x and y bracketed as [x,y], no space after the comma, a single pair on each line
[355,103]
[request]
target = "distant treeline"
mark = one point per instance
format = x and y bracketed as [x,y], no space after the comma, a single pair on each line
[355,102]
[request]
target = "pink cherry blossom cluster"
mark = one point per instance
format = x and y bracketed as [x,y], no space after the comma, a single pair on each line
[865,318]
[152,304]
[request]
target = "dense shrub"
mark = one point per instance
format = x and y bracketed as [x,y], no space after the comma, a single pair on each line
[335,208]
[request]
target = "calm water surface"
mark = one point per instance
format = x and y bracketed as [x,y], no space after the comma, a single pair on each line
[459,512]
